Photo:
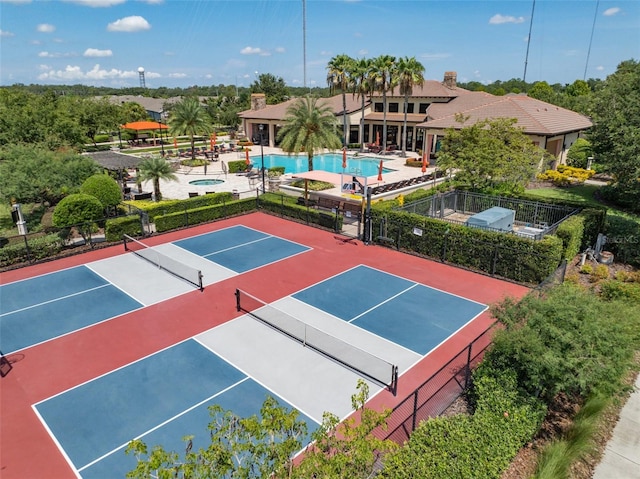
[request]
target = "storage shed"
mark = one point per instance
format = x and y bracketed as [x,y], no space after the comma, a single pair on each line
[495,218]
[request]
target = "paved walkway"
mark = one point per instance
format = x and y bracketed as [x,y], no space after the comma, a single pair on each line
[621,459]
[246,187]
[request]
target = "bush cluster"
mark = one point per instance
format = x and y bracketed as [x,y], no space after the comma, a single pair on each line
[566,175]
[193,215]
[39,249]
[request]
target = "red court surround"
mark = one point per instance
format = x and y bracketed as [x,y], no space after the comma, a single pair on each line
[27,450]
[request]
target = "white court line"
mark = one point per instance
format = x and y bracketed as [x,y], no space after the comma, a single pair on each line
[163,423]
[56,442]
[231,248]
[383,302]
[256,380]
[55,300]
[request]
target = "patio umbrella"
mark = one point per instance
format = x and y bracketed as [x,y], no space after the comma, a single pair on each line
[175,143]
[380,171]
[344,158]
[212,142]
[378,138]
[246,154]
[425,162]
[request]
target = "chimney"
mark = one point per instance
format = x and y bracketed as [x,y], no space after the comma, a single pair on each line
[258,101]
[450,79]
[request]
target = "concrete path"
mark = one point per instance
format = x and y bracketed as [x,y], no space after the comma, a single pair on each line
[621,459]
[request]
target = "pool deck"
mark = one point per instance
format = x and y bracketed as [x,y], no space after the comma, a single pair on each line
[247,187]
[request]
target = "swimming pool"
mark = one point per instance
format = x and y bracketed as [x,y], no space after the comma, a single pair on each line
[206,182]
[331,162]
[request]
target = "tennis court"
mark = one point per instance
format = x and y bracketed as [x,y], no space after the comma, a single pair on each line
[303,328]
[49,306]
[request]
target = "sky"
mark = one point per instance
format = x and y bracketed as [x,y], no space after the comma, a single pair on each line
[181,43]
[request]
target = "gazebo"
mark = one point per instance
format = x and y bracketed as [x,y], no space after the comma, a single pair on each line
[141,126]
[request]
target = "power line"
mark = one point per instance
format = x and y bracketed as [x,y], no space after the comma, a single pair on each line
[593,27]
[526,58]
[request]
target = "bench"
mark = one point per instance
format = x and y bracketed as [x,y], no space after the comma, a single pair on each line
[142,196]
[327,203]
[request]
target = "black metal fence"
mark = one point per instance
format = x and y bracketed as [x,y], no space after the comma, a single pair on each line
[438,392]
[543,216]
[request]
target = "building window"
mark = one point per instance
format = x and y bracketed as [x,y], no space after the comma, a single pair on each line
[410,107]
[393,108]
[423,108]
[377,107]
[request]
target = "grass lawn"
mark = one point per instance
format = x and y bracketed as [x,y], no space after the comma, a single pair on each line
[581,193]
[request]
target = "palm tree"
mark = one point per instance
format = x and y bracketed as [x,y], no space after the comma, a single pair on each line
[155,169]
[362,87]
[383,70]
[338,76]
[309,127]
[410,73]
[189,117]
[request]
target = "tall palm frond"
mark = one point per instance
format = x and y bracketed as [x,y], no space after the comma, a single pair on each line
[155,169]
[361,87]
[410,73]
[310,126]
[189,117]
[383,73]
[339,77]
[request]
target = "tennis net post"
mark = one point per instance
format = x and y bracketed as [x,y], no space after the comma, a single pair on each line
[361,362]
[164,262]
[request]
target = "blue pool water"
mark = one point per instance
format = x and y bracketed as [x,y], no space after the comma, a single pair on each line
[331,162]
[206,182]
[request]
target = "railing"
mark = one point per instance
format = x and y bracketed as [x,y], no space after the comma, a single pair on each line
[437,393]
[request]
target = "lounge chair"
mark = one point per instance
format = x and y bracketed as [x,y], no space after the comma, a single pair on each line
[193,195]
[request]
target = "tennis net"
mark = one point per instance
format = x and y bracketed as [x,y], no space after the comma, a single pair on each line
[361,362]
[164,262]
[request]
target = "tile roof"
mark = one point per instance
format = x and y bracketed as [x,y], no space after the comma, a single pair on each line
[534,116]
[279,111]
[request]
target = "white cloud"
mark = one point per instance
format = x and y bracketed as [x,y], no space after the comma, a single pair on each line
[94,52]
[280,50]
[4,33]
[609,12]
[251,51]
[134,23]
[600,68]
[97,3]
[364,52]
[177,75]
[435,56]
[55,55]
[499,19]
[75,73]
[45,28]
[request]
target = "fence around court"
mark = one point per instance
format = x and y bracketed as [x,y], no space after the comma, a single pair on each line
[438,392]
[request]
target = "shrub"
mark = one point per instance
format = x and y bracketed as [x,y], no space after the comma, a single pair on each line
[39,248]
[586,269]
[601,272]
[237,166]
[194,216]
[79,210]
[116,227]
[104,188]
[613,289]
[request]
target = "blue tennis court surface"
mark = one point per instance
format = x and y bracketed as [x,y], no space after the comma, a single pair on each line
[49,306]
[159,399]
[241,249]
[410,314]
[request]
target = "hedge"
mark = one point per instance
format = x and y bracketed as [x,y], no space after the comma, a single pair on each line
[571,232]
[237,166]
[287,206]
[496,253]
[39,248]
[116,227]
[164,208]
[194,216]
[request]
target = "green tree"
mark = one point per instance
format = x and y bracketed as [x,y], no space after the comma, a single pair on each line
[362,88]
[579,153]
[80,211]
[616,132]
[339,77]
[348,448]
[490,153]
[33,174]
[410,73]
[189,117]
[155,169]
[103,187]
[383,75]
[274,89]
[310,126]
[254,447]
[543,91]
